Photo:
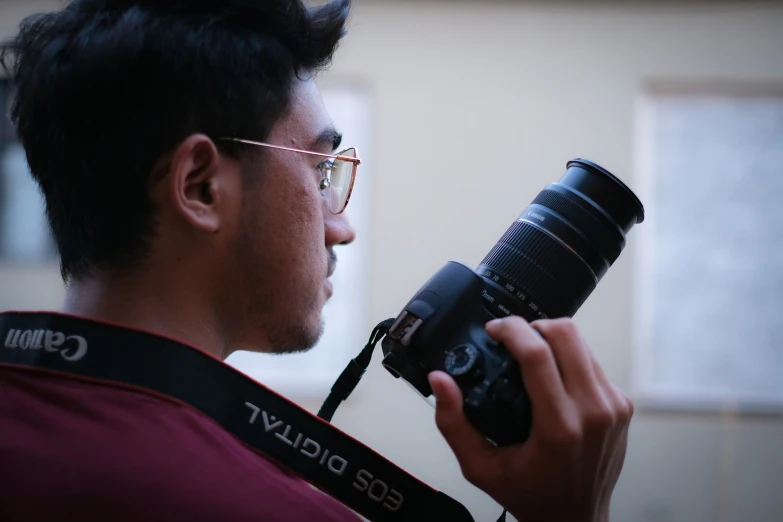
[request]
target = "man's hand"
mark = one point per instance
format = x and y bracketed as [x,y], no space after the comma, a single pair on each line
[567,469]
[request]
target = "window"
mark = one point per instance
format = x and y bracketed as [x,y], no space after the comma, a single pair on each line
[348,325]
[24,233]
[710,274]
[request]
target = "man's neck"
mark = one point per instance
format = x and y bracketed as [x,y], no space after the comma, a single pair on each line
[149,305]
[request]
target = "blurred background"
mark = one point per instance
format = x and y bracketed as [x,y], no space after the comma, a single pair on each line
[463,111]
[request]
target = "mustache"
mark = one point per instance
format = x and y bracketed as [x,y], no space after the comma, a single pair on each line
[331,262]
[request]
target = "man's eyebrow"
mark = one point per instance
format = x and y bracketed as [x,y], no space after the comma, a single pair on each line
[328,137]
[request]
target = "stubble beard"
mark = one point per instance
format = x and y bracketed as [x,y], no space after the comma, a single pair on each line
[284,335]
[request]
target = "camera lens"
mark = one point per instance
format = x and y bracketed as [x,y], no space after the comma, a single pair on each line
[551,259]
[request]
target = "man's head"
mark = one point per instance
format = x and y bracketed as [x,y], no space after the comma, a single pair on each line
[121,108]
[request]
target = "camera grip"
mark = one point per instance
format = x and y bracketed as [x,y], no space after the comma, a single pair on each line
[497,405]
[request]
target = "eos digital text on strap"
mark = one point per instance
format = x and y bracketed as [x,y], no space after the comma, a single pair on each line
[311,447]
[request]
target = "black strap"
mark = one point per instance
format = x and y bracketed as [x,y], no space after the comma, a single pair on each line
[317,451]
[353,373]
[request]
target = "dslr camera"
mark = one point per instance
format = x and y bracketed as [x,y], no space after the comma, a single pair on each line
[545,266]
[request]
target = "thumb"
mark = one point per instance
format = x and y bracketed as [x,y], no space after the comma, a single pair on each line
[465,441]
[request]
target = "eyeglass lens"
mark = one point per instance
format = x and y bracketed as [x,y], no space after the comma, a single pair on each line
[340,183]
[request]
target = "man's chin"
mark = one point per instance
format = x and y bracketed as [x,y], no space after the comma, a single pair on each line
[299,339]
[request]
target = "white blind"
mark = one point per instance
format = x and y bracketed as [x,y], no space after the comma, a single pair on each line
[710,323]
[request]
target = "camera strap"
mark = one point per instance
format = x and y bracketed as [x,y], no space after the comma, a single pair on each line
[320,453]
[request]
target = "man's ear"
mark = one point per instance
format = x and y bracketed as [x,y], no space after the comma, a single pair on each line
[194,184]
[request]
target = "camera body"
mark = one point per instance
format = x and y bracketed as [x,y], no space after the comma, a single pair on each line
[546,265]
[443,328]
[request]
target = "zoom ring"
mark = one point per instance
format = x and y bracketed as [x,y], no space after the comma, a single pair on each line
[549,254]
[558,278]
[527,275]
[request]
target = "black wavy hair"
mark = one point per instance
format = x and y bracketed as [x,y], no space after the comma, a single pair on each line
[105,88]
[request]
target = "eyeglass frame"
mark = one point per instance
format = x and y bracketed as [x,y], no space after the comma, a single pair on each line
[355,161]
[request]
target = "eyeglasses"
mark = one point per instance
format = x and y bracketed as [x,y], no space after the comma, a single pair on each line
[338,172]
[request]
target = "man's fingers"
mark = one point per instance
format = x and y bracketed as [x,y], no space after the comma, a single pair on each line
[599,372]
[571,353]
[472,450]
[620,400]
[624,406]
[542,379]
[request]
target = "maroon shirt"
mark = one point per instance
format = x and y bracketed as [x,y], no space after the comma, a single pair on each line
[74,449]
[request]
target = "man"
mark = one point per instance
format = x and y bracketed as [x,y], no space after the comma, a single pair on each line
[191,185]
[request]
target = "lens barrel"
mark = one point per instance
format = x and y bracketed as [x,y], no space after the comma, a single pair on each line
[565,241]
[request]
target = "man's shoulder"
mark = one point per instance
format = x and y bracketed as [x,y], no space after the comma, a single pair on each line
[142,455]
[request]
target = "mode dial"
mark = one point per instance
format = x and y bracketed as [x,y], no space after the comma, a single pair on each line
[464,361]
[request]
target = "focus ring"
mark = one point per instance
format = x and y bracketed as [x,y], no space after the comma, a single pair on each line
[584,220]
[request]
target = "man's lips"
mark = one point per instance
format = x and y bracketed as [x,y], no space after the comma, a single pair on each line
[332,266]
[331,263]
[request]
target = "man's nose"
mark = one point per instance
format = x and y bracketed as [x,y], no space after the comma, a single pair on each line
[339,230]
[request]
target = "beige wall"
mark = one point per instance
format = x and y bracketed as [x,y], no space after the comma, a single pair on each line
[478,106]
